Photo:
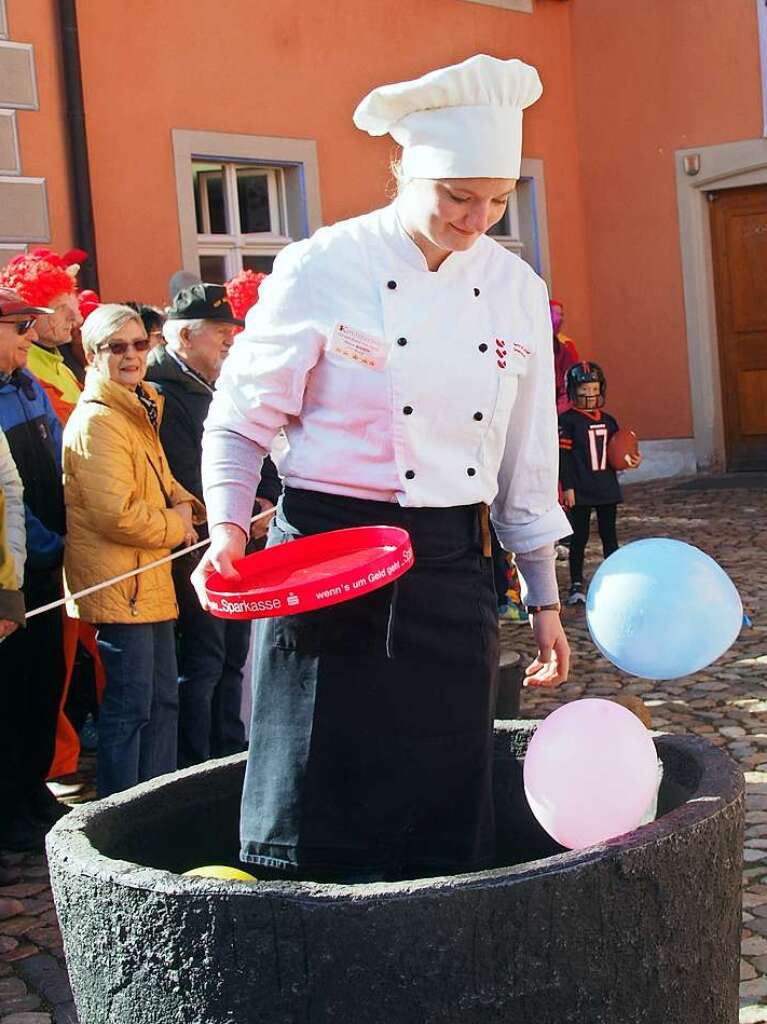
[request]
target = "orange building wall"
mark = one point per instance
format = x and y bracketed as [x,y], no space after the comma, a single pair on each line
[295,68]
[651,77]
[625,86]
[42,133]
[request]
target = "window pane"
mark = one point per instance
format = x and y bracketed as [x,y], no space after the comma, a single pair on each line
[259,264]
[216,204]
[253,197]
[209,199]
[502,227]
[213,269]
[198,205]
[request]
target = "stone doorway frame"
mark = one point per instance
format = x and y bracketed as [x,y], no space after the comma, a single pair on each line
[728,165]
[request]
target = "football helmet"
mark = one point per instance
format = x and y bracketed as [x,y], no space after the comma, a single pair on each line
[586,373]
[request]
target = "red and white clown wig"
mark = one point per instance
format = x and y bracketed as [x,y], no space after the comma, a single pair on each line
[42,275]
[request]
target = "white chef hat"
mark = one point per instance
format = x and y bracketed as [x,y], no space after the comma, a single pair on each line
[464,121]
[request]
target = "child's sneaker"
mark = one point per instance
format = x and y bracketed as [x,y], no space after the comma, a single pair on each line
[576,595]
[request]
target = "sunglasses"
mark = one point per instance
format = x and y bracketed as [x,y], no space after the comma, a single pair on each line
[119,348]
[22,326]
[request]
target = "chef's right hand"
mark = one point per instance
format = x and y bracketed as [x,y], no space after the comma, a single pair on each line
[227,545]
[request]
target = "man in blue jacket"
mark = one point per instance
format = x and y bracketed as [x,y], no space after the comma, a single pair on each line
[31,659]
[211,652]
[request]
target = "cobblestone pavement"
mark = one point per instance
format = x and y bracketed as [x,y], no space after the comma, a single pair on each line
[34,986]
[727,704]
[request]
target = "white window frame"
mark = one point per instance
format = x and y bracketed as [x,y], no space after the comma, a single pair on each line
[529,219]
[235,244]
[296,179]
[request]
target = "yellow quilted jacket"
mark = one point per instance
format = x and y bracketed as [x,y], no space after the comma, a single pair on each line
[11,598]
[118,489]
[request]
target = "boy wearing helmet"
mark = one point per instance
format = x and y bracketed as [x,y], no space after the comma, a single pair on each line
[588,480]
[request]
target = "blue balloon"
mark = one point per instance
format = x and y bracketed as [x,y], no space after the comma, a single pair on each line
[661,609]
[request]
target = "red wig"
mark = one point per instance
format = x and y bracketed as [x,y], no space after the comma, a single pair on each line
[242,291]
[41,275]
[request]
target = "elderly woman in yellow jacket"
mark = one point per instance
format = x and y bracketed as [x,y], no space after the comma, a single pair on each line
[124,512]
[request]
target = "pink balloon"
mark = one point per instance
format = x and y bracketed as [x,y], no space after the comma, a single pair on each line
[590,772]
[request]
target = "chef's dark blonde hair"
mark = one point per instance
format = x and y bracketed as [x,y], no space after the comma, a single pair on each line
[398,179]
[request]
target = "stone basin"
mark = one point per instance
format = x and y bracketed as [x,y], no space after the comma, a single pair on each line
[644,928]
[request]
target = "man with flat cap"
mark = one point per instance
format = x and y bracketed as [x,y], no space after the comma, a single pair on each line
[198,335]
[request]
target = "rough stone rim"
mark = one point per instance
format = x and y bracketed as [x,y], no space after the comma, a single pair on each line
[70,849]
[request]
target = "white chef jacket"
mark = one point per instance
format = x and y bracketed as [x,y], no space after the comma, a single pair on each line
[452,402]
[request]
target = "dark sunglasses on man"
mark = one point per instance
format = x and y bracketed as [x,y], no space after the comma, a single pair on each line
[22,326]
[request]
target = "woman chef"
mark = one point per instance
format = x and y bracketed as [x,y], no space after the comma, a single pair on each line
[408,357]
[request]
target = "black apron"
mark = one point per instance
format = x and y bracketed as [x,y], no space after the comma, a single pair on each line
[371,737]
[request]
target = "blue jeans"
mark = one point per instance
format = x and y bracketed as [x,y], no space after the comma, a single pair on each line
[211,656]
[138,719]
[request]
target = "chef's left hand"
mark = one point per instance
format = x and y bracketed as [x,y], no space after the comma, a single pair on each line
[552,665]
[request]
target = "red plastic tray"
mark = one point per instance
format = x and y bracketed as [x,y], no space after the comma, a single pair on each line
[312,572]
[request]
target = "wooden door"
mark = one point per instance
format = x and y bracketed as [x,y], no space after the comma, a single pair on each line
[739,239]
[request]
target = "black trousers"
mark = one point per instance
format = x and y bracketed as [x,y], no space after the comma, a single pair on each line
[580,520]
[32,672]
[371,739]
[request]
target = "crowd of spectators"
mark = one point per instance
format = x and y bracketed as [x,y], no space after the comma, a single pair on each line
[101,414]
[102,407]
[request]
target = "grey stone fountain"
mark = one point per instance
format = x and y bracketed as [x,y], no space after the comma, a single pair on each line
[644,928]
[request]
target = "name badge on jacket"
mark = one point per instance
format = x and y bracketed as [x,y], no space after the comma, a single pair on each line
[360,347]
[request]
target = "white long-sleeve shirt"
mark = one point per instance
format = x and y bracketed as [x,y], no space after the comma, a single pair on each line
[395,383]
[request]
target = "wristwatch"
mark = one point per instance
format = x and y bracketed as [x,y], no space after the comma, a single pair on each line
[533,608]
